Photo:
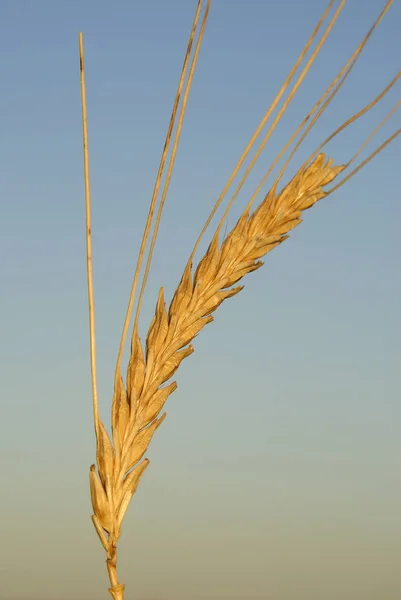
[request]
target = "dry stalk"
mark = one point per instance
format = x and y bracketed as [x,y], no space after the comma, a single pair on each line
[88,238]
[139,401]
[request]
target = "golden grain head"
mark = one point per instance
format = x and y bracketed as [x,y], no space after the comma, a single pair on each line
[136,407]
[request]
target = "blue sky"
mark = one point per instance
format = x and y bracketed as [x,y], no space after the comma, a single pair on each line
[276,472]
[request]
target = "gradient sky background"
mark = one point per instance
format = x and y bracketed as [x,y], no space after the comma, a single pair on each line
[277,472]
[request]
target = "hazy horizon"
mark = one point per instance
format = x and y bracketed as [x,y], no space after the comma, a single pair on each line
[276,474]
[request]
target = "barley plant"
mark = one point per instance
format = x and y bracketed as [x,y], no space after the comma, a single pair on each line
[139,399]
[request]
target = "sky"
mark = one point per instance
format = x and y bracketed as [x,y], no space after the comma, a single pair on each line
[276,474]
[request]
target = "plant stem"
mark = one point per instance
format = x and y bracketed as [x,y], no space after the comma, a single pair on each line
[116,589]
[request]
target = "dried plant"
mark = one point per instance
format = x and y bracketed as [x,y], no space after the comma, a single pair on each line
[139,401]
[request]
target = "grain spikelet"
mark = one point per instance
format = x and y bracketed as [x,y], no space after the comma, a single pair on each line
[123,415]
[150,412]
[136,370]
[183,294]
[105,455]
[100,532]
[171,365]
[99,500]
[130,485]
[191,332]
[131,481]
[141,443]
[159,326]
[208,265]
[213,302]
[120,412]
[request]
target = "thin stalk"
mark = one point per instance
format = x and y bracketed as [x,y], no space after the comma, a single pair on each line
[155,194]
[91,303]
[374,132]
[171,164]
[351,120]
[367,159]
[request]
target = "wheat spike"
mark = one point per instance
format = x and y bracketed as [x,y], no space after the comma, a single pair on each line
[137,406]
[171,332]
